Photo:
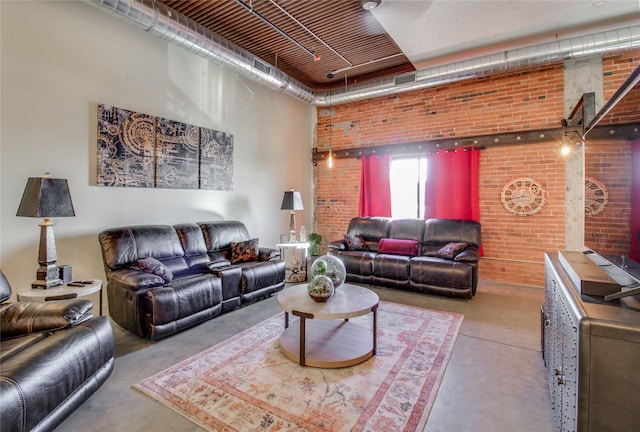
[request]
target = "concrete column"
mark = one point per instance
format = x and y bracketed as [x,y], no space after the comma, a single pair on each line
[580,76]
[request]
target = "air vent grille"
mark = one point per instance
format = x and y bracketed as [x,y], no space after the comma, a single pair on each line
[263,67]
[404,79]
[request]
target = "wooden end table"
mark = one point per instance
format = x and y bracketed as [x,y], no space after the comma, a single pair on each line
[326,338]
[63,292]
[294,256]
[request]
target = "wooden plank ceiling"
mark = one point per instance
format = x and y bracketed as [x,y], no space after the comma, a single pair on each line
[319,37]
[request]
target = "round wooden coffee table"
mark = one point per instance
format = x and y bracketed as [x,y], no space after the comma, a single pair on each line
[326,338]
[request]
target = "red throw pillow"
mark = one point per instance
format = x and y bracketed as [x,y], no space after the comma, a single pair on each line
[398,247]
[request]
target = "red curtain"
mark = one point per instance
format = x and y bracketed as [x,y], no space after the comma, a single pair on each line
[452,190]
[375,186]
[634,254]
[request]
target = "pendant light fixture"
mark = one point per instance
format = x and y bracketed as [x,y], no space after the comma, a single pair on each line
[330,159]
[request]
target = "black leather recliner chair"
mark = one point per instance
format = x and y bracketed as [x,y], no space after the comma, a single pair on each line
[53,357]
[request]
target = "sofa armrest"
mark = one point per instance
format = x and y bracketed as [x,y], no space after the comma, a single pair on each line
[135,280]
[22,318]
[470,255]
[338,245]
[219,264]
[268,254]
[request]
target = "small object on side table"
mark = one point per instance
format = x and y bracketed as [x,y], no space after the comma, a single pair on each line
[295,257]
[73,288]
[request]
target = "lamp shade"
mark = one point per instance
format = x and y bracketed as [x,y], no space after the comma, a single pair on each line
[292,200]
[46,197]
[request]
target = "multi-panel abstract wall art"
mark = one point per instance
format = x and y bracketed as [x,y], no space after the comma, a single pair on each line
[139,150]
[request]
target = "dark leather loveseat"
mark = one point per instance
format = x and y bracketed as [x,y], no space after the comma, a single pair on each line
[437,256]
[53,356]
[162,279]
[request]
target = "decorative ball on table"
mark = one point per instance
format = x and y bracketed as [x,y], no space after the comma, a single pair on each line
[321,288]
[330,266]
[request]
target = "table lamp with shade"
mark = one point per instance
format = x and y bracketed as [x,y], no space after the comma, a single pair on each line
[292,200]
[46,197]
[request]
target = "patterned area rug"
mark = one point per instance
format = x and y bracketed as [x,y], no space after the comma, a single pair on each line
[246,384]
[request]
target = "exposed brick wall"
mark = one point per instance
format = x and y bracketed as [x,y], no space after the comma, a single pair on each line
[609,162]
[514,246]
[615,70]
[516,101]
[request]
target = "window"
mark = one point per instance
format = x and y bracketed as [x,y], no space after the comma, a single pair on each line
[407,177]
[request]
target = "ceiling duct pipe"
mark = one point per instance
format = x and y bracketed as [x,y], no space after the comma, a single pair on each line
[594,44]
[162,21]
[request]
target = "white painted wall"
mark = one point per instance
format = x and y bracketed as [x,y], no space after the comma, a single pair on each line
[59,60]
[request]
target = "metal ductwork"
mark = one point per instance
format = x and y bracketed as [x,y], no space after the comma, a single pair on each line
[566,49]
[166,23]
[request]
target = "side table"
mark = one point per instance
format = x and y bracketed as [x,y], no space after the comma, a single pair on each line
[294,256]
[63,292]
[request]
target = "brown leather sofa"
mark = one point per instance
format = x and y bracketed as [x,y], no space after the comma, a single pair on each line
[437,256]
[53,357]
[199,271]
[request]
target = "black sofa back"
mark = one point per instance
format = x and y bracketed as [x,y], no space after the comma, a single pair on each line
[123,247]
[439,232]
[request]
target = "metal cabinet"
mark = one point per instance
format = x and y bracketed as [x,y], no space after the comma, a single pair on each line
[592,354]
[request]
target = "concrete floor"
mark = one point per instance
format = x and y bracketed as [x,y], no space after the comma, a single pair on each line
[495,380]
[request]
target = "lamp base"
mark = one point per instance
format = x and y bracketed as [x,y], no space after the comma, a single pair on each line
[47,275]
[44,284]
[292,228]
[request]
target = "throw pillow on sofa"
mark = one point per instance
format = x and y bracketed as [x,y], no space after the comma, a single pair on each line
[244,251]
[153,266]
[355,242]
[398,247]
[451,250]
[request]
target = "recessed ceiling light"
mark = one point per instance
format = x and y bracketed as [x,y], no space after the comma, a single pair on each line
[369,4]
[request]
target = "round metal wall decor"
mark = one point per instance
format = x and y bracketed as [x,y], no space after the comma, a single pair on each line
[523,197]
[596,197]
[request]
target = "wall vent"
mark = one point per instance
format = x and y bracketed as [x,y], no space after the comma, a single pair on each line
[404,79]
[263,67]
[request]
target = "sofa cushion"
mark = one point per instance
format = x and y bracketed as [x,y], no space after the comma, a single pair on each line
[439,272]
[409,229]
[22,318]
[469,255]
[355,242]
[439,232]
[219,235]
[155,267]
[391,267]
[244,251]
[183,298]
[357,262]
[372,229]
[451,250]
[398,247]
[268,254]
